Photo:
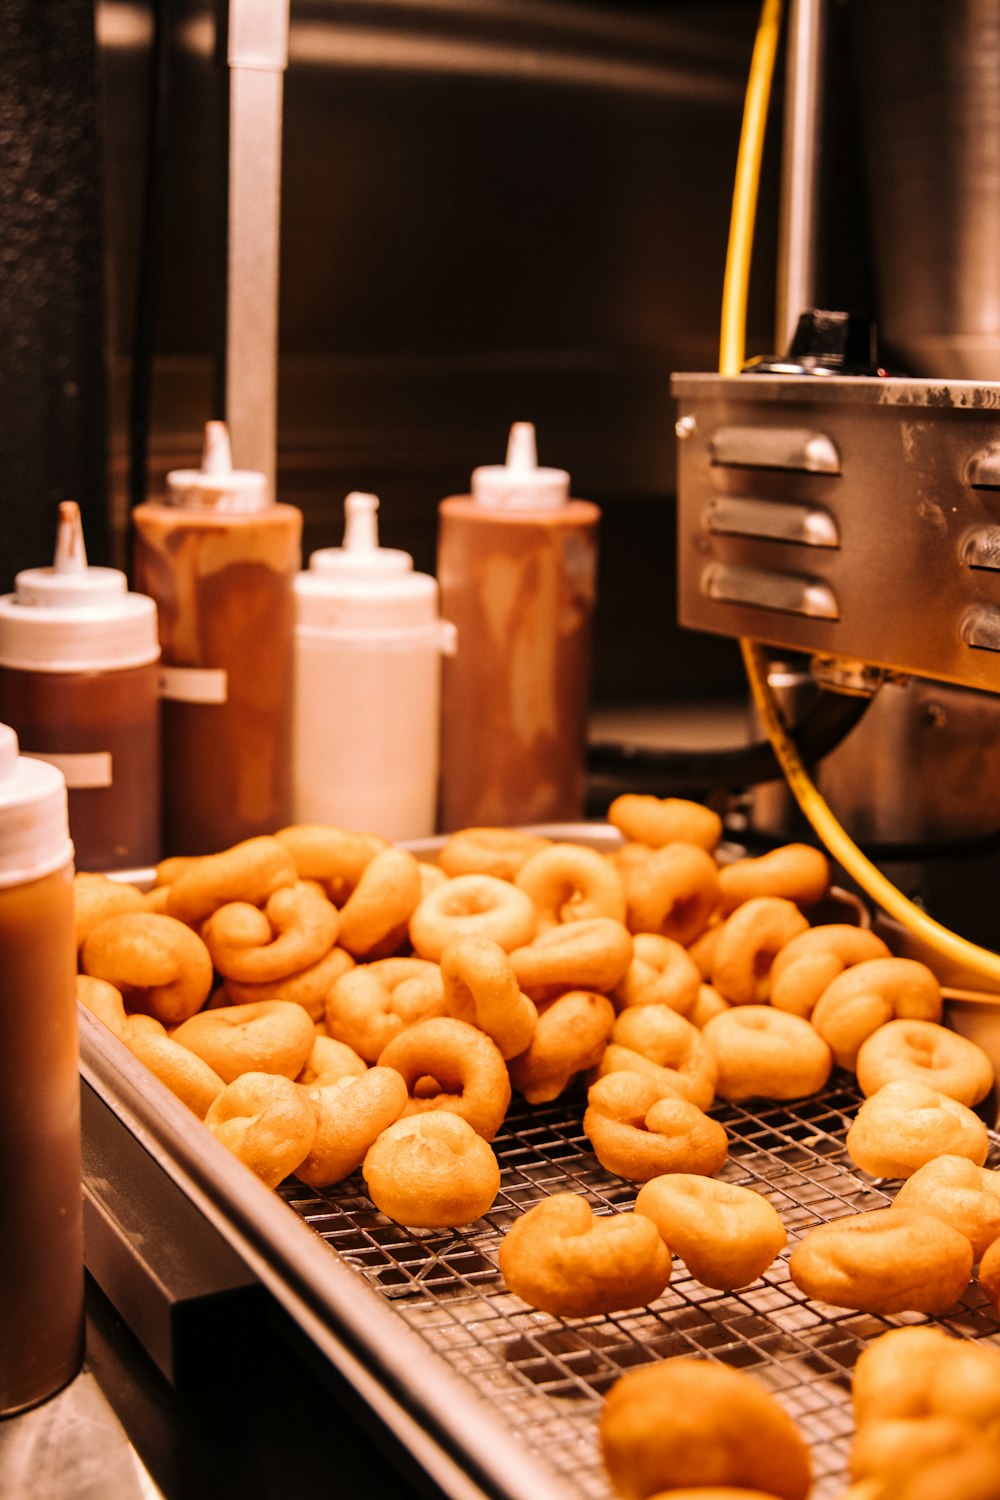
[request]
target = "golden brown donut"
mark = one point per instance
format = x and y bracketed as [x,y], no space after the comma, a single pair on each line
[702,951]
[270,1037]
[921,1050]
[766,1054]
[657,821]
[674,892]
[480,987]
[249,871]
[297,926]
[890,1260]
[747,944]
[184,1073]
[726,1235]
[955,1189]
[334,856]
[662,972]
[973,1473]
[478,904]
[804,967]
[562,1259]
[329,1061]
[499,852]
[373,921]
[796,872]
[432,1172]
[639,1133]
[587,955]
[307,987]
[160,966]
[691,1422]
[708,1004]
[373,1003]
[989,1274]
[104,1001]
[904,1125]
[569,1038]
[96,897]
[683,1064]
[471,1076]
[570,883]
[867,996]
[351,1114]
[267,1121]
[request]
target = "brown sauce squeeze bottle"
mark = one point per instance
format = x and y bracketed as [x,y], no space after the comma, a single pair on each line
[517,565]
[79,685]
[220,559]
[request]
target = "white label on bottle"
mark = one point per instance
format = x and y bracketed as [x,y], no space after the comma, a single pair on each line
[93,769]
[194,684]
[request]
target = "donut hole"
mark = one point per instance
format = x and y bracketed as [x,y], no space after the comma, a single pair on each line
[428,1087]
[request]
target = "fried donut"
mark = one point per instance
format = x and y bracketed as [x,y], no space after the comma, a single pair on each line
[432,1172]
[250,871]
[702,951]
[766,1054]
[158,963]
[371,1004]
[796,872]
[726,1235]
[570,883]
[682,1062]
[270,1037]
[569,1038]
[989,1274]
[639,1133]
[561,1259]
[307,987]
[589,955]
[335,857]
[890,1260]
[104,1001]
[373,922]
[806,965]
[464,1063]
[708,1004]
[674,892]
[96,897]
[184,1073]
[924,1052]
[661,973]
[478,904]
[955,1189]
[499,852]
[914,1373]
[867,995]
[351,1114]
[904,1125]
[657,821]
[328,1062]
[747,944]
[480,987]
[691,1422]
[967,1472]
[266,1121]
[297,926]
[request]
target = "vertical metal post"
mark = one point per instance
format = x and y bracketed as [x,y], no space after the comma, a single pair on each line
[801,167]
[257,55]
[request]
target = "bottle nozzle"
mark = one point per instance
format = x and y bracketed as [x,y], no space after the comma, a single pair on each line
[522,452]
[519,484]
[71,552]
[217,454]
[361,522]
[217,485]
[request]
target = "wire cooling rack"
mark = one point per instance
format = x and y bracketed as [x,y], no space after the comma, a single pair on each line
[547,1376]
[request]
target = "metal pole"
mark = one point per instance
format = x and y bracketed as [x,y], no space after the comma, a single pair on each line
[801,167]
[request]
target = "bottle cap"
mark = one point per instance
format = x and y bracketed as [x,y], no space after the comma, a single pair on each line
[520,484]
[360,587]
[217,485]
[72,617]
[34,817]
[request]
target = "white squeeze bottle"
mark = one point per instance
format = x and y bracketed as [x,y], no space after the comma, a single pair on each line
[368,648]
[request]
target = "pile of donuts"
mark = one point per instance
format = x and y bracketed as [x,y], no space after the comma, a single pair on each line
[927,1425]
[326,1002]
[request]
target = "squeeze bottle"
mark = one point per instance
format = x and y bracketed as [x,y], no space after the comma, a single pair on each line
[78,684]
[220,558]
[41,1246]
[517,565]
[368,648]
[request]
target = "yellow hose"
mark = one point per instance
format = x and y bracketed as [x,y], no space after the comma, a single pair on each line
[940,940]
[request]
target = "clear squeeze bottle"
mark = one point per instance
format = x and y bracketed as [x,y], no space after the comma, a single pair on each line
[368,653]
[41,1244]
[220,558]
[78,684]
[517,566]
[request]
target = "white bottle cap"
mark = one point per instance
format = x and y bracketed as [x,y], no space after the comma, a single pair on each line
[217,485]
[362,588]
[520,484]
[34,818]
[72,617]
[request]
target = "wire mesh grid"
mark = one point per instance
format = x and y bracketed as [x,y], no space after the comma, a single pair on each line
[547,1376]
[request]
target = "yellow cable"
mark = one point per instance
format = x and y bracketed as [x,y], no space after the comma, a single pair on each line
[947,944]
